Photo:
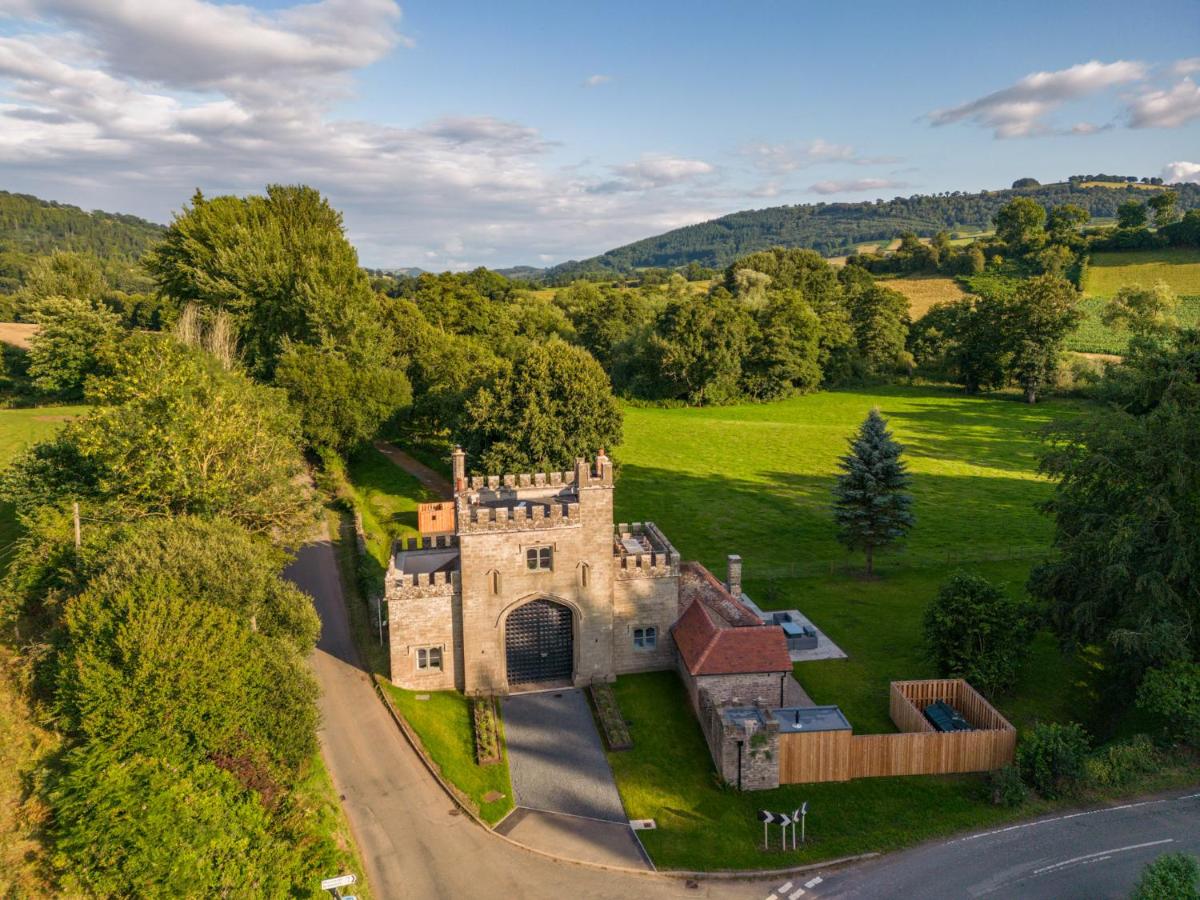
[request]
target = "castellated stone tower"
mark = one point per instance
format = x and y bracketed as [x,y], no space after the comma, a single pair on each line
[534,587]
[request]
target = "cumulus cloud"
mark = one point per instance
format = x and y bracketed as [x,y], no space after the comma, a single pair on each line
[1176,172]
[1166,108]
[1186,66]
[1021,109]
[856,186]
[596,80]
[653,171]
[780,159]
[133,104]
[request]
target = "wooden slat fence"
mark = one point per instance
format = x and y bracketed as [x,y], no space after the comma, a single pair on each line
[919,749]
[435,518]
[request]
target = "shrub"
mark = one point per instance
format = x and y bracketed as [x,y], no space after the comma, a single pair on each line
[1172,696]
[1006,787]
[1119,763]
[973,630]
[1051,757]
[1173,876]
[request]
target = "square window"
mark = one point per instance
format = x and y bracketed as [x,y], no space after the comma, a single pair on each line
[645,638]
[539,559]
[429,658]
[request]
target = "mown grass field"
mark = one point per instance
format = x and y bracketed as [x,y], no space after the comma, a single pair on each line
[1177,266]
[923,291]
[756,480]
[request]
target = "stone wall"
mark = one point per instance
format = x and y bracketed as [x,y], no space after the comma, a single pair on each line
[427,615]
[637,603]
[581,579]
[744,746]
[740,689]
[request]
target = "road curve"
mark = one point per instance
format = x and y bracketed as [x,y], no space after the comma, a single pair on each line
[412,844]
[1088,854]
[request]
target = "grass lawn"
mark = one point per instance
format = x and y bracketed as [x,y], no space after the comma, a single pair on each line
[756,479]
[316,787]
[443,722]
[1177,266]
[923,291]
[387,497]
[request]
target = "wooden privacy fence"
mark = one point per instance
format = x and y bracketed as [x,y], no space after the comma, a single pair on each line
[435,518]
[919,749]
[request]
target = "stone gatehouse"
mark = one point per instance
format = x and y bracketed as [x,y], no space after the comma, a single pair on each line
[537,585]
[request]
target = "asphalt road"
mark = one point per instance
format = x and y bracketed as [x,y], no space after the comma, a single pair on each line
[1091,854]
[412,843]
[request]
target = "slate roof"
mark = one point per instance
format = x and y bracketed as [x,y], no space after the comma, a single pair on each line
[719,635]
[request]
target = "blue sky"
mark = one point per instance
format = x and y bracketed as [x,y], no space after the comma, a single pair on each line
[456,134]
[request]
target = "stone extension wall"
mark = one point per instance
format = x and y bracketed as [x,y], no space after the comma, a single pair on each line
[745,752]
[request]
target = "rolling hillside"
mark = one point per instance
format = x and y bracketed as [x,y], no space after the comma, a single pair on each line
[31,227]
[834,227]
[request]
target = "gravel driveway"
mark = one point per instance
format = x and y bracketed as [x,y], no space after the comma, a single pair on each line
[556,758]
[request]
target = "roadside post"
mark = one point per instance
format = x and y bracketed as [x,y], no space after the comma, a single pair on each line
[335,884]
[766,818]
[784,821]
[803,813]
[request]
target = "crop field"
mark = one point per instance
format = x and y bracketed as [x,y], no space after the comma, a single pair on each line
[923,291]
[1122,185]
[1178,267]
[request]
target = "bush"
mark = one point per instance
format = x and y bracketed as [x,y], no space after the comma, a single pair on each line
[1006,787]
[973,630]
[1173,876]
[1119,763]
[1172,696]
[1051,757]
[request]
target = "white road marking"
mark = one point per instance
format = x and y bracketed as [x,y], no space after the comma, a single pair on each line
[812,884]
[784,888]
[1090,812]
[796,893]
[1088,857]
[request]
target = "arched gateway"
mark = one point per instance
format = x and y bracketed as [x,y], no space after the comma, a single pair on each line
[539,643]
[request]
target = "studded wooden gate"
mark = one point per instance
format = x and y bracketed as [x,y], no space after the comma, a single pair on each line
[539,645]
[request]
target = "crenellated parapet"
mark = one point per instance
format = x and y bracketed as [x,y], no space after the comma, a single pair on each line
[417,585]
[521,516]
[641,550]
[431,542]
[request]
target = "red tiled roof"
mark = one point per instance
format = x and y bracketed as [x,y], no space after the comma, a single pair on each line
[718,635]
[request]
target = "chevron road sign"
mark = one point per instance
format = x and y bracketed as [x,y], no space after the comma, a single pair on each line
[766,818]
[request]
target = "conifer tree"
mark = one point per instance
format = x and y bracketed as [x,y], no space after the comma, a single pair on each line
[871,499]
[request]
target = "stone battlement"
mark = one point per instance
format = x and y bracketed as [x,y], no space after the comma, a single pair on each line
[433,542]
[641,550]
[522,516]
[416,585]
[597,473]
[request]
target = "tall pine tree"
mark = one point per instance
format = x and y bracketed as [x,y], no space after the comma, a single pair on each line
[871,499]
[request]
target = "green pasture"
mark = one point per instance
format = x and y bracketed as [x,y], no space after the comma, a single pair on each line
[1178,267]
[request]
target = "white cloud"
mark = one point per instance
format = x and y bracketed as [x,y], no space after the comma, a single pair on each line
[779,159]
[1186,66]
[130,105]
[855,186]
[596,80]
[1020,110]
[1176,172]
[1166,108]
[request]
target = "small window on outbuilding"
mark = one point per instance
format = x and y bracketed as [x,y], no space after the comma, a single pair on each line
[539,559]
[429,659]
[645,638]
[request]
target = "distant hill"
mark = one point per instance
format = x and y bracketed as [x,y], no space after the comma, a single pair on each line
[31,227]
[833,228]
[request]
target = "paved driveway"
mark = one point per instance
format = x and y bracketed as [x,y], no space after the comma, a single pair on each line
[555,756]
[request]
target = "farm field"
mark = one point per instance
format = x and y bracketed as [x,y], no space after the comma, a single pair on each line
[1093,336]
[1178,267]
[923,291]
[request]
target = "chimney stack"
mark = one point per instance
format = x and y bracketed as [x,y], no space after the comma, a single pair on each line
[458,464]
[734,578]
